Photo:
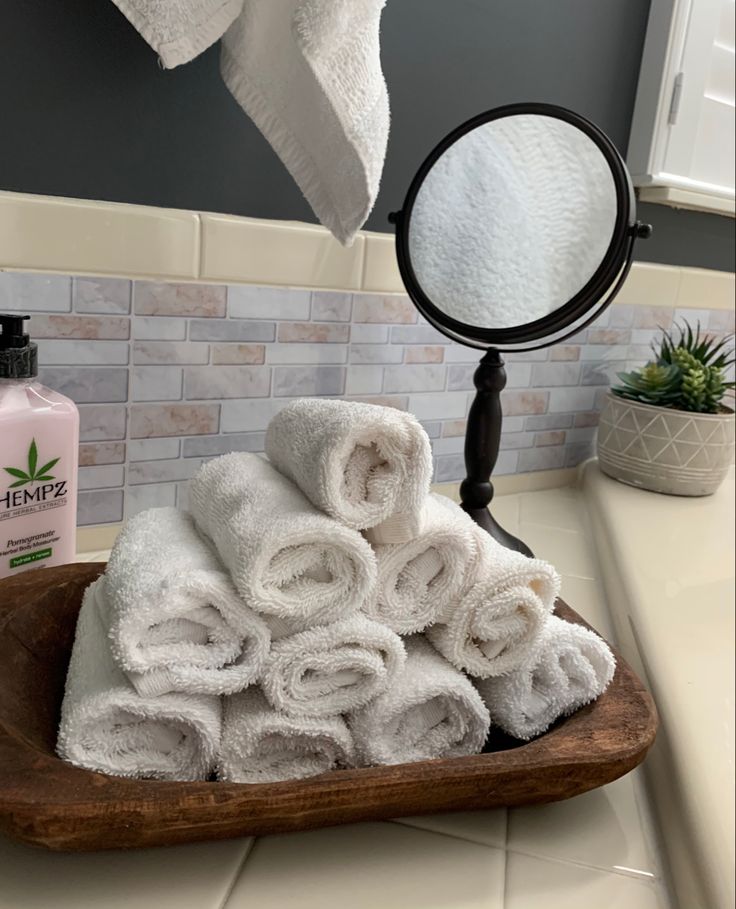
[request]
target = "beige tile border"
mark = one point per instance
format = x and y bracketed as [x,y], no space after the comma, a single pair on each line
[73,236]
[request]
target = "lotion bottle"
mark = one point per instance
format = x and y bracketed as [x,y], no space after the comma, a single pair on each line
[39,439]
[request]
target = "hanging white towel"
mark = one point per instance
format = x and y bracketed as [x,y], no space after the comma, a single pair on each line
[285,557]
[308,73]
[107,726]
[575,667]
[331,669]
[431,711]
[262,745]
[180,30]
[369,467]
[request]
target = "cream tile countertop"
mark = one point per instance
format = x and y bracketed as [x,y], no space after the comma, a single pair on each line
[596,851]
[668,566]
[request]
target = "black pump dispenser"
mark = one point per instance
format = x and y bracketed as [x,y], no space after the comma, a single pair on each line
[18,354]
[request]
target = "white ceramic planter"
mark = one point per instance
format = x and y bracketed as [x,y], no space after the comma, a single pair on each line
[670,451]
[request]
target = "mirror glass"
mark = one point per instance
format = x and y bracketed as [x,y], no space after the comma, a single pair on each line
[512,221]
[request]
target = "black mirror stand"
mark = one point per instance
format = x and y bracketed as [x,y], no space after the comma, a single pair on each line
[482,440]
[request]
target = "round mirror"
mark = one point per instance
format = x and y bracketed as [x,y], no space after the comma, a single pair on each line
[516,226]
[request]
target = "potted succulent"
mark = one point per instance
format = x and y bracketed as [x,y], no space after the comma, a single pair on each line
[665,427]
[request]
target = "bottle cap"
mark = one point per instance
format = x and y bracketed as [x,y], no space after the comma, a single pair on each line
[18,354]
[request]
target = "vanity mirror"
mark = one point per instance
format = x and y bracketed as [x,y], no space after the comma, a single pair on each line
[516,232]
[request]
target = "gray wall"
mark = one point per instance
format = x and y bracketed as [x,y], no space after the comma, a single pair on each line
[85,110]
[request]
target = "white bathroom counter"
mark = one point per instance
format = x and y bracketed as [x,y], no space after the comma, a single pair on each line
[668,567]
[596,851]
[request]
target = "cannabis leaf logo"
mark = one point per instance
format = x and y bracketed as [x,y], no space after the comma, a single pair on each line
[32,475]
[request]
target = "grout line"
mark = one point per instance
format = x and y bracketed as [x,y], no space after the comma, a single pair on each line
[644,877]
[238,872]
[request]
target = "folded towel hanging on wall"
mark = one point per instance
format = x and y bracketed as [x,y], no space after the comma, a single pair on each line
[308,73]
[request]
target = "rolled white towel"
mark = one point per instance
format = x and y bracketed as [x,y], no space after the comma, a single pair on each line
[285,557]
[496,626]
[262,745]
[175,620]
[107,726]
[332,669]
[369,467]
[431,711]
[417,580]
[575,667]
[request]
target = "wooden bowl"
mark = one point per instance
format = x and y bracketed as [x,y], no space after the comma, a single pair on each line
[46,802]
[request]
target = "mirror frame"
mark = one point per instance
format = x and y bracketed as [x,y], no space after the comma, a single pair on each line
[616,260]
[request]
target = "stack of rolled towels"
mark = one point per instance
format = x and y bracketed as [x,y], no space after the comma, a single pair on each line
[316,610]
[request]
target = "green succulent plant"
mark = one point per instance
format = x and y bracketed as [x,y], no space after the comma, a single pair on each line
[688,373]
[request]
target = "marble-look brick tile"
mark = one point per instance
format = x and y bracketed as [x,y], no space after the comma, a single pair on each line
[369,334]
[139,498]
[302,381]
[165,352]
[597,353]
[514,440]
[448,445]
[414,378]
[249,415]
[209,446]
[159,328]
[156,420]
[541,458]
[460,377]
[722,320]
[163,471]
[601,373]
[83,353]
[587,418]
[454,428]
[83,327]
[452,405]
[102,295]
[449,468]
[94,453]
[364,380]
[652,317]
[313,332]
[210,382]
[102,422]
[104,477]
[306,354]
[692,316]
[608,336]
[100,506]
[328,306]
[518,375]
[182,496]
[458,353]
[515,403]
[621,315]
[581,434]
[643,335]
[548,421]
[244,302]
[399,402]
[34,293]
[547,374]
[373,308]
[641,353]
[88,386]
[567,400]
[152,299]
[153,449]
[565,352]
[577,452]
[601,394]
[416,334]
[376,353]
[223,354]
[428,354]
[231,330]
[540,355]
[433,430]
[156,383]
[514,424]
[550,437]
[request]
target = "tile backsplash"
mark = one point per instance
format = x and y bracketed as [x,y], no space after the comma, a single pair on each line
[167,375]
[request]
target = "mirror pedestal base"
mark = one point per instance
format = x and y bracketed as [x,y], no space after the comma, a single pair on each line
[482,441]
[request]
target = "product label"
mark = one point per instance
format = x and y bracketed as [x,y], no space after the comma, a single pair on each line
[35,487]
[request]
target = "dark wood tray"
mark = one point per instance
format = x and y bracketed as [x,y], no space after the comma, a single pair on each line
[46,802]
